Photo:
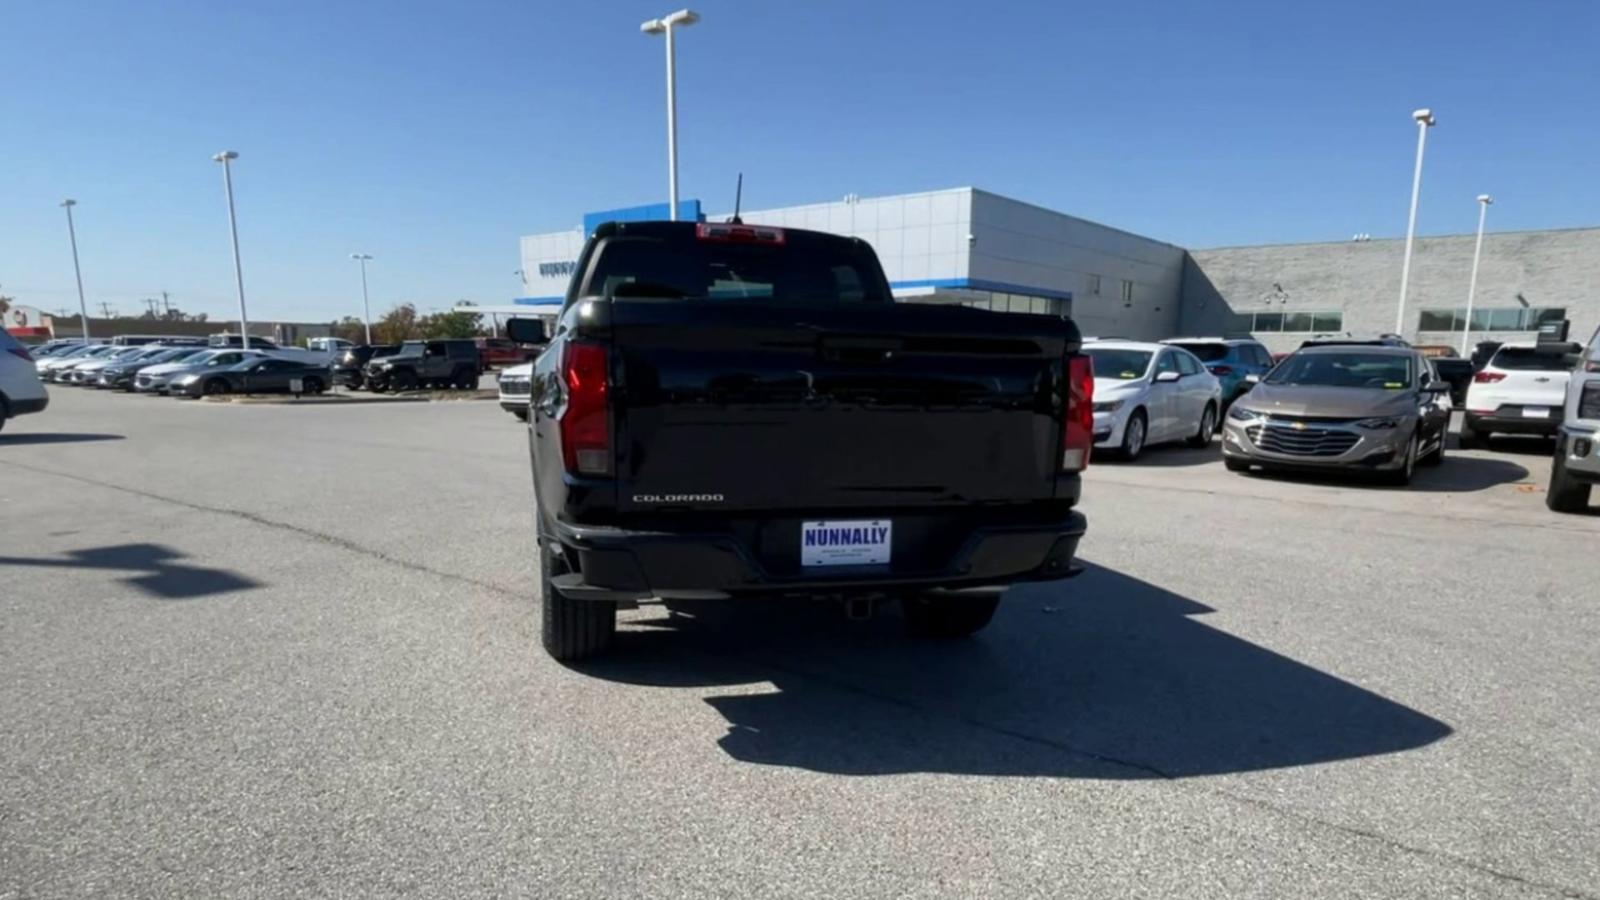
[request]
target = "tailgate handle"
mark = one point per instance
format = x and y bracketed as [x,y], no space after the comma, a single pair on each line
[859,350]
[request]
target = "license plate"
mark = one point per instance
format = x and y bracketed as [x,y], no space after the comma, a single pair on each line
[1536,412]
[856,542]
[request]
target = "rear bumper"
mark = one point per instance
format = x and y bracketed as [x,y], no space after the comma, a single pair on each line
[617,564]
[30,405]
[1502,423]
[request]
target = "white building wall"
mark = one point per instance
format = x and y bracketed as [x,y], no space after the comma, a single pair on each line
[1016,243]
[919,238]
[966,243]
[550,251]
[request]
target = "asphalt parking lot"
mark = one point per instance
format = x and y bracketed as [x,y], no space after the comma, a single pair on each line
[265,651]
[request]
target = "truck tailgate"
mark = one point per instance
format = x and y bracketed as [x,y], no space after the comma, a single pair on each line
[836,407]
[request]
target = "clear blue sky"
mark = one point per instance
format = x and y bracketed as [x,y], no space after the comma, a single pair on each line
[432,135]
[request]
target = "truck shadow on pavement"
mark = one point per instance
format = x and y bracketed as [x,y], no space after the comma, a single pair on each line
[1104,677]
[160,573]
[53,437]
[1163,456]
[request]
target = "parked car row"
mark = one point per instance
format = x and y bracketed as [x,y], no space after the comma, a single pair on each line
[183,370]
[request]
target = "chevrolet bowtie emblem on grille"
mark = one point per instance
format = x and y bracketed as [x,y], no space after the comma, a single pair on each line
[1298,426]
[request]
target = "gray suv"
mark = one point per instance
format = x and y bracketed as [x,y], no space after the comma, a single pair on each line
[1358,408]
[441,363]
[1576,468]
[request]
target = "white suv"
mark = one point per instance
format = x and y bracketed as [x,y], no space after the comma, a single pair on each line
[1576,468]
[1521,390]
[20,390]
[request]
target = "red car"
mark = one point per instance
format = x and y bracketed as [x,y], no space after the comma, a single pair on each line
[494,353]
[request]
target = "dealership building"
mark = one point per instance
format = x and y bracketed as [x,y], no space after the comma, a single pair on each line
[971,247]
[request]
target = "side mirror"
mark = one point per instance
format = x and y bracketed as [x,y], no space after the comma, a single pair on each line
[526,331]
[1166,377]
[1252,379]
[1436,387]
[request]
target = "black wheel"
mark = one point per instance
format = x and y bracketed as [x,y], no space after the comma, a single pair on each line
[1133,436]
[377,387]
[215,387]
[1235,465]
[934,616]
[466,379]
[1471,438]
[1408,467]
[313,385]
[1208,427]
[571,629]
[1566,494]
[403,380]
[5,413]
[1436,458]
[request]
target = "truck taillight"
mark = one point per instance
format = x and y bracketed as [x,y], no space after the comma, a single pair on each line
[1488,377]
[586,419]
[1078,430]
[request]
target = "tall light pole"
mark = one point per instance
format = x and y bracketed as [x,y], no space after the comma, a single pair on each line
[1425,120]
[664,25]
[226,157]
[72,234]
[1472,284]
[366,308]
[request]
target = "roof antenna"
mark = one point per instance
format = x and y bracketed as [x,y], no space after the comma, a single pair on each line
[738,195]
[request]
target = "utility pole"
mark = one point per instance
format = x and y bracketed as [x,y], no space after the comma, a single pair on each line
[166,304]
[105,309]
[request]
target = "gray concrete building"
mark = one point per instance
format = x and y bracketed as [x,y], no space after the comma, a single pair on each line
[970,246]
[1284,293]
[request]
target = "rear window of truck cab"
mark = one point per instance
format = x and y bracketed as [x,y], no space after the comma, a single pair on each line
[801,268]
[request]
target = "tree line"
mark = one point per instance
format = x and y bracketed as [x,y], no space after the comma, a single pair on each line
[402,323]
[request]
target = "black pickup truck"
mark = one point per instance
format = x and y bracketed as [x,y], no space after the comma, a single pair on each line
[735,411]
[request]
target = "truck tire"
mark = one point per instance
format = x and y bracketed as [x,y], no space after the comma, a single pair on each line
[571,629]
[929,616]
[466,378]
[1470,438]
[1566,494]
[403,380]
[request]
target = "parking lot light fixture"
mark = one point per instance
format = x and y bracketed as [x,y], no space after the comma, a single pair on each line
[665,26]
[226,157]
[77,272]
[366,308]
[1425,120]
[1472,283]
